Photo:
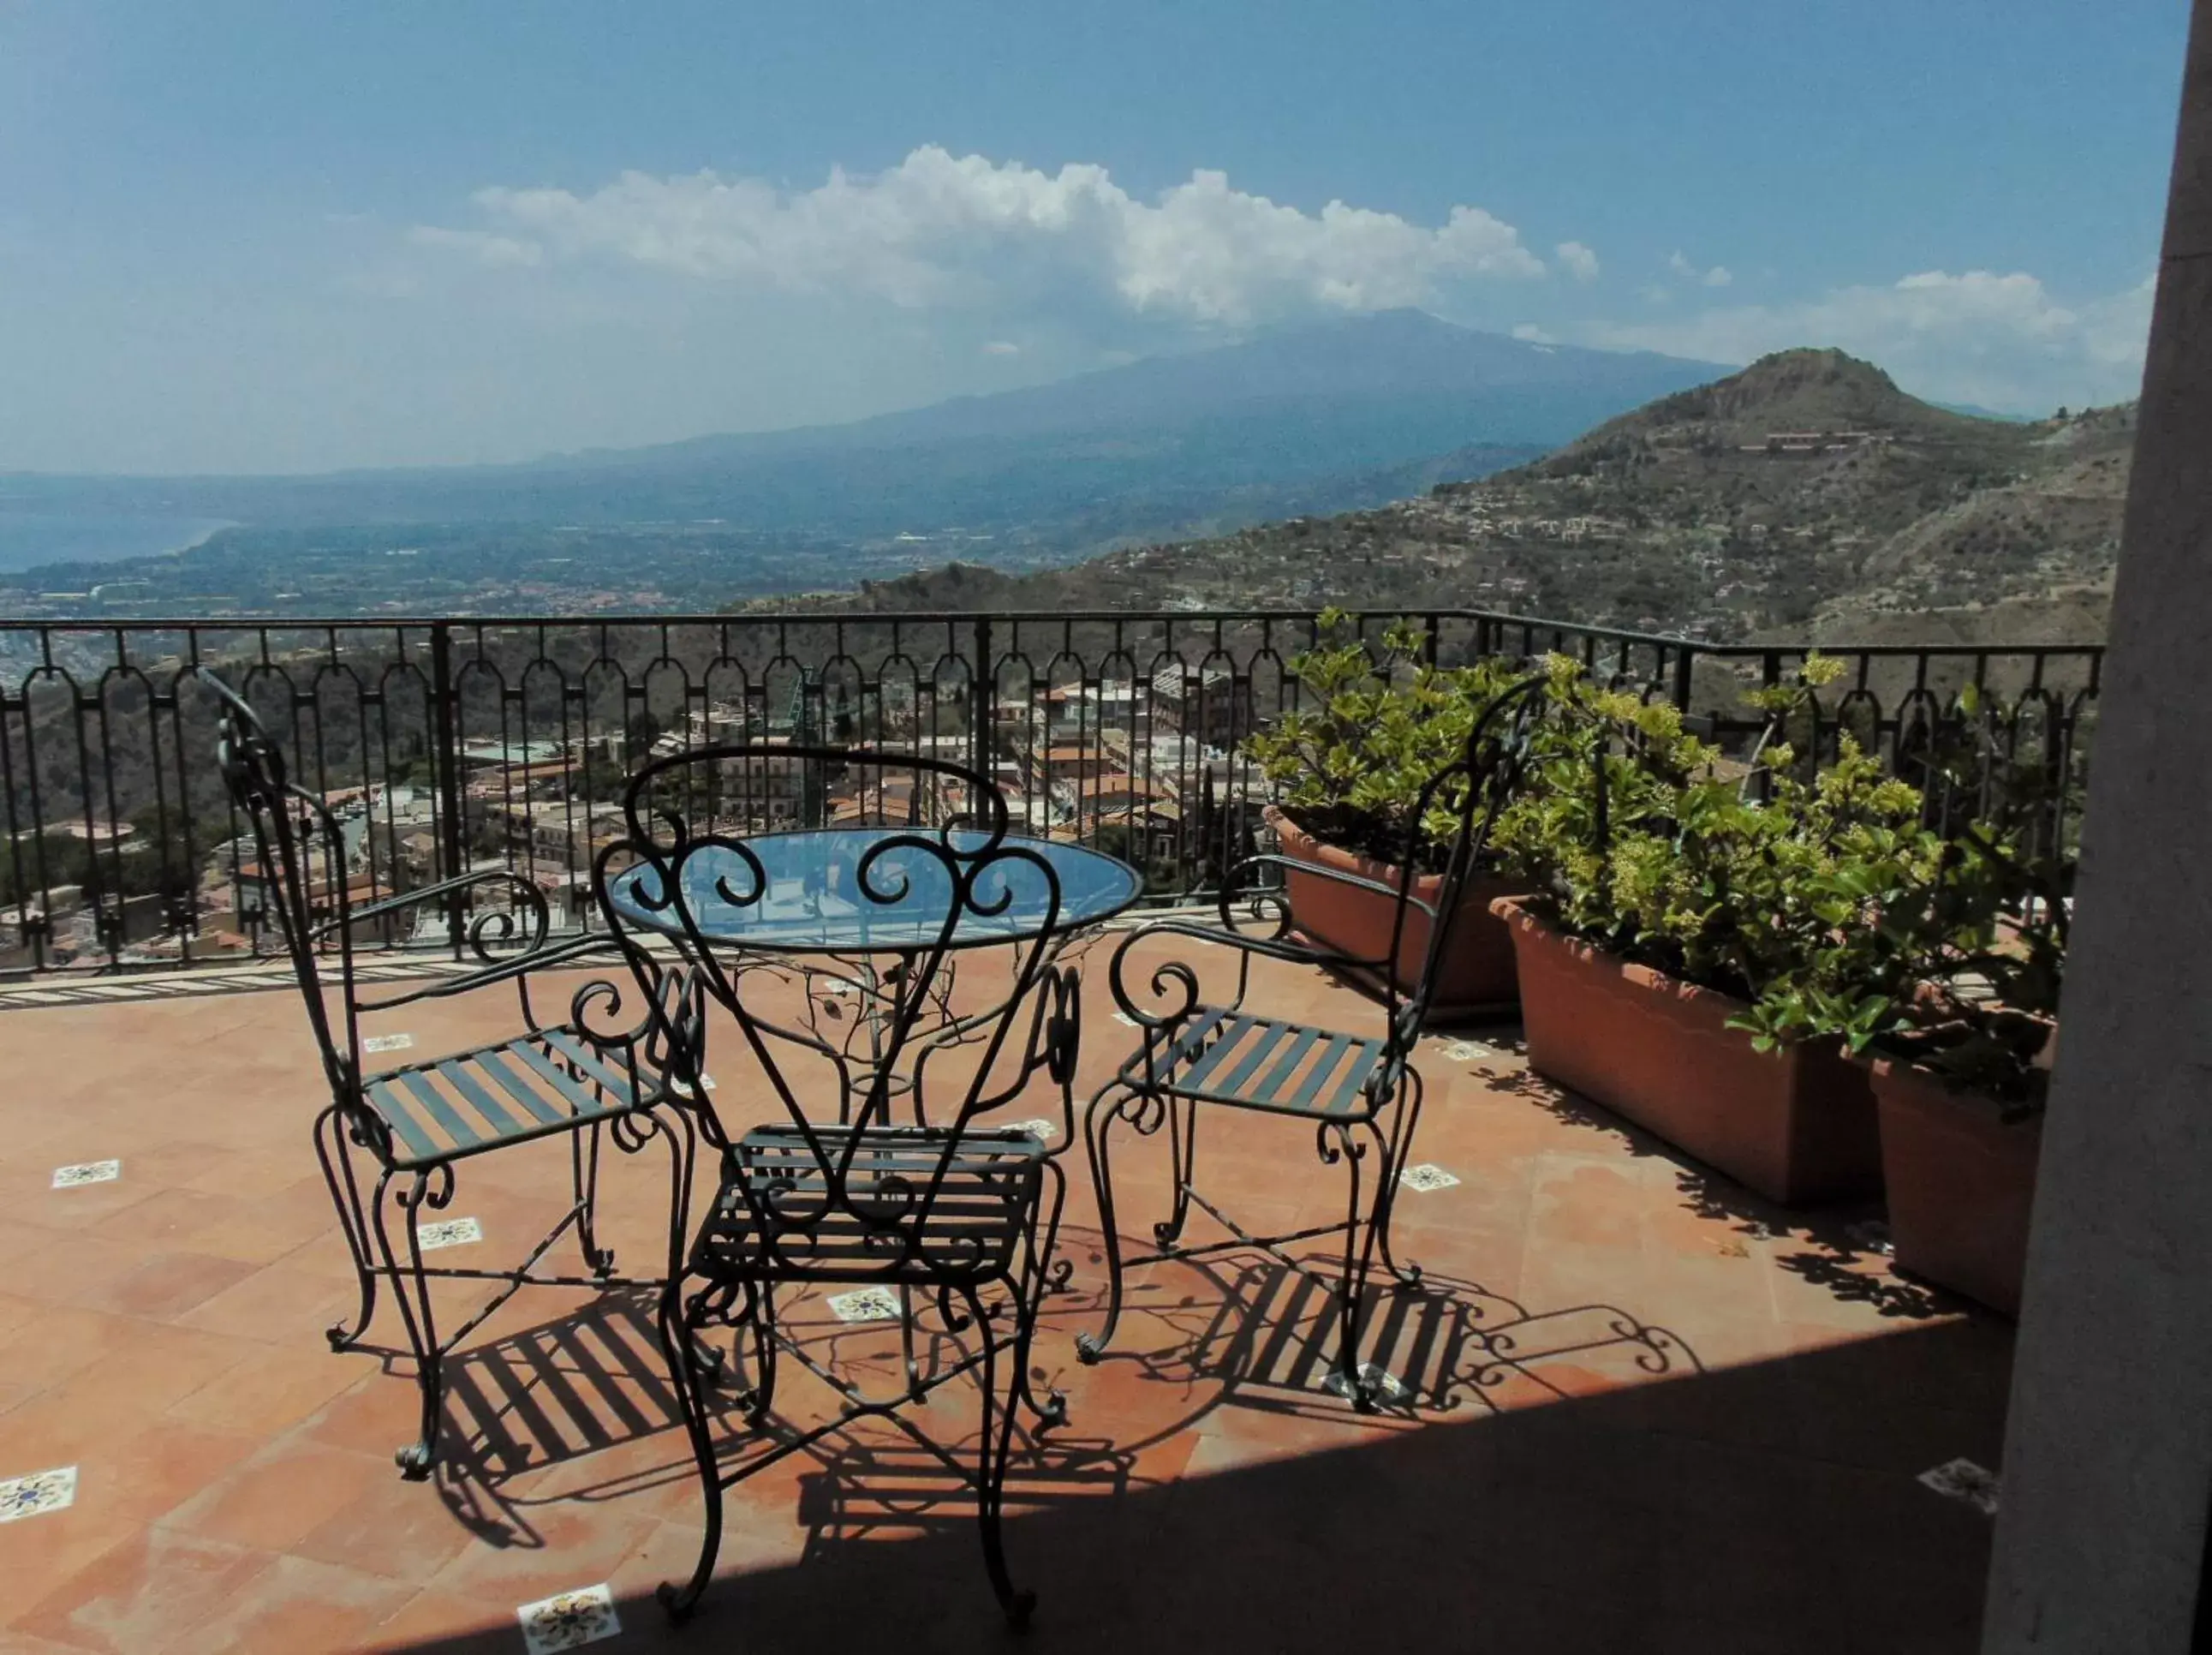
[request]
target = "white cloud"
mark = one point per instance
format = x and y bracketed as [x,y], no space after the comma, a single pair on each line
[941,229]
[1578,260]
[479,245]
[1533,334]
[1978,337]
[1718,276]
[1002,347]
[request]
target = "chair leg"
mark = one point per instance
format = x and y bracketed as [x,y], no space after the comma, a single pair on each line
[1395,1154]
[334,1151]
[994,1449]
[584,1180]
[679,1337]
[1098,1121]
[760,1320]
[1337,1144]
[434,1187]
[1036,1281]
[1182,1152]
[683,1156]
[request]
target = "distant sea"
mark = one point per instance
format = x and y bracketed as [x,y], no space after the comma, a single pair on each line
[29,539]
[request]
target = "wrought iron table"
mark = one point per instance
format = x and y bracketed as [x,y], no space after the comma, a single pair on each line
[869,921]
[805,916]
[810,901]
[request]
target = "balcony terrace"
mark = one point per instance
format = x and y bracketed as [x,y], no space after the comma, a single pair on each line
[1643,1408]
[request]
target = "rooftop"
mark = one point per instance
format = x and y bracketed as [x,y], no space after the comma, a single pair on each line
[1645,1410]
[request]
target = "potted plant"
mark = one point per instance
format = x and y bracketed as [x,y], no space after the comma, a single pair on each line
[1347,770]
[1697,956]
[1974,953]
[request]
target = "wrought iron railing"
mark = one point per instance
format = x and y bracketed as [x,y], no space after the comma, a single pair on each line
[447,743]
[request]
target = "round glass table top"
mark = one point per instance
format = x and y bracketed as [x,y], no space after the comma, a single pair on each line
[812,901]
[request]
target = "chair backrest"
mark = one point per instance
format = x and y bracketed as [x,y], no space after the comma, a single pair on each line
[1471,790]
[920,864]
[1476,786]
[292,831]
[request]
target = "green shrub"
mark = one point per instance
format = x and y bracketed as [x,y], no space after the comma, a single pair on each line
[1827,905]
[1670,861]
[1349,766]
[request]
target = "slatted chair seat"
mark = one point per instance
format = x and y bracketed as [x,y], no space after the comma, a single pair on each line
[1226,1056]
[452,1107]
[983,1208]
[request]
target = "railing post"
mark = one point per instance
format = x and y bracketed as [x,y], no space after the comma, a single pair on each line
[1686,655]
[445,752]
[983,692]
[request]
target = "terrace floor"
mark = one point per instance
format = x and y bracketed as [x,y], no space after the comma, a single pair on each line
[1744,1480]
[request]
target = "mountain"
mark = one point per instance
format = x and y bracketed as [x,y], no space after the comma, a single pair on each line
[1315,418]
[1806,491]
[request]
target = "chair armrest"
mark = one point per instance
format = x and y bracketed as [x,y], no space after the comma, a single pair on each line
[1318,870]
[1173,986]
[533,921]
[437,893]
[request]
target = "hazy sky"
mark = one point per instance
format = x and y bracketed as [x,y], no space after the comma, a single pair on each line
[294,235]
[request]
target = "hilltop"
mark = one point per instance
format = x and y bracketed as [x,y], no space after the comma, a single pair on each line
[1806,491]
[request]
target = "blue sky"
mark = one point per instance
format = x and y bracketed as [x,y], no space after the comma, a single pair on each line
[289,236]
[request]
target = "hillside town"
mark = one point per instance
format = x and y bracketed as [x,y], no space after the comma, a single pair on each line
[1141,766]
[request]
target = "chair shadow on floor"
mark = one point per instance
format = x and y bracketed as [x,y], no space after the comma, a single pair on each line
[1263,1339]
[578,1410]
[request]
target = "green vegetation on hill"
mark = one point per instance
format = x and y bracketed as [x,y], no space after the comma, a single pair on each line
[1807,493]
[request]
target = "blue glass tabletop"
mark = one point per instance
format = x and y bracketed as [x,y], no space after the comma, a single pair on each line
[813,902]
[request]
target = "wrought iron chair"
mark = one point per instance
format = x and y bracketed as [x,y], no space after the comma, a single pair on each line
[1352,1090]
[417,1122]
[945,1209]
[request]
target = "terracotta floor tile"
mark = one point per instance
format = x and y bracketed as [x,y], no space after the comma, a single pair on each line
[51,1343]
[449,1621]
[401,1530]
[165,1334]
[276,1304]
[565,1536]
[149,1471]
[379,1414]
[296,1607]
[144,1594]
[133,1380]
[167,1218]
[274,1389]
[273,1500]
[167,1284]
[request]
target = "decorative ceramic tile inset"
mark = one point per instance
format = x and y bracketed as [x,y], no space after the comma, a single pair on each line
[867,1304]
[68,1177]
[1426,1176]
[450,1232]
[570,1621]
[1961,1479]
[38,1493]
[1043,1131]
[1466,1051]
[377,1042]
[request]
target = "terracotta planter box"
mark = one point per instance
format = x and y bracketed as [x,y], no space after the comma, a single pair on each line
[1478,967]
[1797,1126]
[1961,1182]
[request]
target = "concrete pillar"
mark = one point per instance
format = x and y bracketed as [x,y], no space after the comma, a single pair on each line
[2100,1541]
